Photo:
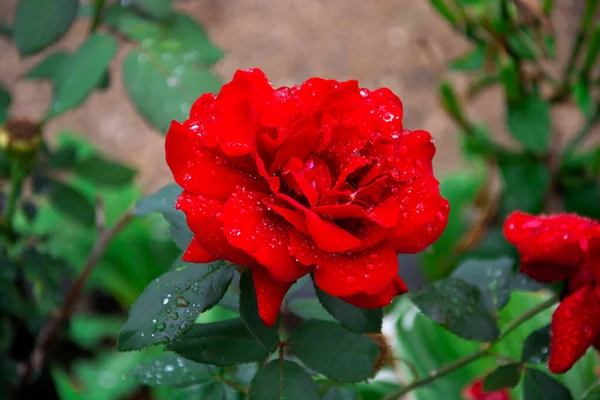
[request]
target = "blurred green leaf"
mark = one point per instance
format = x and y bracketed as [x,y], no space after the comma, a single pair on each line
[355,319]
[65,389]
[583,199]
[492,246]
[104,81]
[156,8]
[536,348]
[104,172]
[169,305]
[593,393]
[592,51]
[509,76]
[10,300]
[39,23]
[341,393]
[529,122]
[89,330]
[71,203]
[162,201]
[538,385]
[172,370]
[63,158]
[505,376]
[81,73]
[48,67]
[283,380]
[220,343]
[445,11]
[492,277]
[523,44]
[308,309]
[583,98]
[526,182]
[267,336]
[457,306]
[4,104]
[333,351]
[452,105]
[472,61]
[46,274]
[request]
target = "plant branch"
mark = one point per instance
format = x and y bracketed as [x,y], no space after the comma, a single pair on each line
[54,324]
[484,351]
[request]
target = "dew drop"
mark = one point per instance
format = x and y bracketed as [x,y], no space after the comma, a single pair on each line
[174,316]
[181,301]
[388,117]
[165,300]
[169,368]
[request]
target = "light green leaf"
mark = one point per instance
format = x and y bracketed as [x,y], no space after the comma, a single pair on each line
[172,370]
[48,67]
[156,8]
[529,122]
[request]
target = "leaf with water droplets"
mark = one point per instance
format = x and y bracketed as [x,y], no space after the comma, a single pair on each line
[538,385]
[220,343]
[283,380]
[505,376]
[353,318]
[334,351]
[458,307]
[170,304]
[172,370]
[522,282]
[536,348]
[492,277]
[162,201]
[249,313]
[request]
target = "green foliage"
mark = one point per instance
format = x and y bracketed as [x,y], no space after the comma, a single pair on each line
[48,67]
[281,380]
[529,122]
[538,385]
[536,348]
[172,370]
[505,376]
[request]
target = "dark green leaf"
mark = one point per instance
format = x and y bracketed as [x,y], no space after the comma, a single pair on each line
[249,313]
[536,348]
[104,172]
[538,385]
[529,122]
[39,23]
[592,51]
[522,282]
[172,370]
[169,306]
[308,309]
[583,198]
[48,67]
[4,104]
[593,393]
[48,273]
[10,299]
[105,81]
[283,380]
[161,201]
[583,97]
[353,318]
[492,277]
[472,61]
[526,182]
[505,376]
[458,306]
[509,76]
[493,245]
[156,8]
[71,203]
[81,73]
[180,232]
[333,351]
[220,343]
[63,158]
[341,393]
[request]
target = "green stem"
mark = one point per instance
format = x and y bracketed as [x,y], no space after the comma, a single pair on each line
[97,16]
[483,352]
[17,176]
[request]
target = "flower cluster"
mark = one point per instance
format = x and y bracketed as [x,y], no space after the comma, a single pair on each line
[320,178]
[554,248]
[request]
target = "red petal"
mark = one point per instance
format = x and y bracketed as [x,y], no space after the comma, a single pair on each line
[343,274]
[236,129]
[203,218]
[381,299]
[251,227]
[273,181]
[423,216]
[475,392]
[419,146]
[296,218]
[269,294]
[197,254]
[310,178]
[347,210]
[387,213]
[328,236]
[592,258]
[575,325]
[299,145]
[197,169]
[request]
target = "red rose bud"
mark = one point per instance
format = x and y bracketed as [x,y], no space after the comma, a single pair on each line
[554,248]
[475,392]
[319,178]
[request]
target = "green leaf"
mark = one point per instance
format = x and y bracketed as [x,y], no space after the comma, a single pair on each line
[88,331]
[156,8]
[341,393]
[536,348]
[593,393]
[458,306]
[583,199]
[180,232]
[333,351]
[505,376]
[63,158]
[526,182]
[81,73]
[220,343]
[172,370]
[472,61]
[592,51]
[163,84]
[48,67]
[445,11]
[39,23]
[509,76]
[170,304]
[249,313]
[308,309]
[583,97]
[529,122]
[492,277]
[283,380]
[161,201]
[104,172]
[538,385]
[353,318]
[4,104]
[71,203]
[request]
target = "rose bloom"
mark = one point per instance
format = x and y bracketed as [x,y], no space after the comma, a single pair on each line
[475,392]
[320,178]
[554,248]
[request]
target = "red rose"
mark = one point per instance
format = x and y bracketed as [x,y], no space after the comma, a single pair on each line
[554,248]
[317,178]
[475,392]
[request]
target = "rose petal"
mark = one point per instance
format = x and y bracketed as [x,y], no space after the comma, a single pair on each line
[203,218]
[475,392]
[575,326]
[197,169]
[381,299]
[195,253]
[251,227]
[269,294]
[328,236]
[343,274]
[296,218]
